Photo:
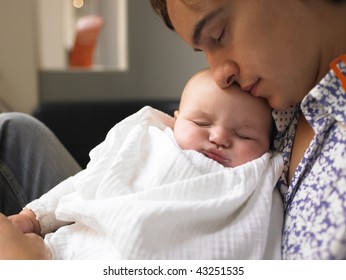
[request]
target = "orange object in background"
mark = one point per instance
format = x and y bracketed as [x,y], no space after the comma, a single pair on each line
[87,33]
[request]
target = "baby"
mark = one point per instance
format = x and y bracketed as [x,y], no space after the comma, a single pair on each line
[196,186]
[227,125]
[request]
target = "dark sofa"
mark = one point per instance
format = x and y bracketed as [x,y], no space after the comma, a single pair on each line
[80,126]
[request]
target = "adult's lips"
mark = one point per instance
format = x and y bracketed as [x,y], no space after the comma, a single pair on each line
[252,88]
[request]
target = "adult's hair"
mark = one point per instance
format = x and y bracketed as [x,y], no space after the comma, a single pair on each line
[160,7]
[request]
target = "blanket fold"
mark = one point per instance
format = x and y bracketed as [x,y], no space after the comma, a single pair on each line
[142,197]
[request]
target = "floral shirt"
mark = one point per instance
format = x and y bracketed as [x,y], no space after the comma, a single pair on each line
[315,201]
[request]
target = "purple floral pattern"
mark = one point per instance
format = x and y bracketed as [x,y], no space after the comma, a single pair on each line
[315,201]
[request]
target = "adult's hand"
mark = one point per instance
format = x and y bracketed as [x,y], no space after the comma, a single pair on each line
[26,221]
[15,245]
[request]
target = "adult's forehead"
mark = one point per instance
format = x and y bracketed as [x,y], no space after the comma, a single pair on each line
[196,5]
[193,5]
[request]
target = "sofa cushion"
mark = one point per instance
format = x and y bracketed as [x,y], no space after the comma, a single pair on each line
[80,126]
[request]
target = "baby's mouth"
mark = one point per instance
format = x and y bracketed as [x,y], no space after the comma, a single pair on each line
[216,155]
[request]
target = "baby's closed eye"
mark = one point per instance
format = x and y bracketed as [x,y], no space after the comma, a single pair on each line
[202,123]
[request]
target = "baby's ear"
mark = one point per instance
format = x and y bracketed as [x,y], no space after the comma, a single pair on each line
[176,114]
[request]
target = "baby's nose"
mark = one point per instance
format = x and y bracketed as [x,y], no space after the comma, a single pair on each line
[220,137]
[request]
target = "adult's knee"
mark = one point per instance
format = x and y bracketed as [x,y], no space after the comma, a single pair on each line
[15,126]
[16,119]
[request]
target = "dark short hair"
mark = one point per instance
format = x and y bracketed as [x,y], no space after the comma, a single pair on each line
[160,8]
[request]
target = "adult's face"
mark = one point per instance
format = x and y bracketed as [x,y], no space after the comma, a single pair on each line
[267,46]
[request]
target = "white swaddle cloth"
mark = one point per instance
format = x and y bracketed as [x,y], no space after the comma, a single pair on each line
[142,197]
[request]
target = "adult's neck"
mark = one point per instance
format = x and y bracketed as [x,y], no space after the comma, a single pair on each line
[331,24]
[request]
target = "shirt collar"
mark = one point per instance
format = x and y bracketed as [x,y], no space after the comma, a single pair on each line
[283,118]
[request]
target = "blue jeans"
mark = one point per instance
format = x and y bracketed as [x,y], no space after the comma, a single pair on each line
[32,161]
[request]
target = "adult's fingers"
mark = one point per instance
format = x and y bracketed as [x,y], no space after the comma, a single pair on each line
[14,245]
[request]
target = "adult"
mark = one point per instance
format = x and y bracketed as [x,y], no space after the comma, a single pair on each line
[289,52]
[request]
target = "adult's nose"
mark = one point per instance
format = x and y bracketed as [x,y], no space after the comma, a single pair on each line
[225,74]
[225,70]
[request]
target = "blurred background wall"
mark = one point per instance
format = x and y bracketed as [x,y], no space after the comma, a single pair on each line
[158,62]
[18,55]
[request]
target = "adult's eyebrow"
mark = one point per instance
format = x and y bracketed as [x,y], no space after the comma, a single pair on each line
[196,37]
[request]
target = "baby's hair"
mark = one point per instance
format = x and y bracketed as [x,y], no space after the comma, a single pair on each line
[273,134]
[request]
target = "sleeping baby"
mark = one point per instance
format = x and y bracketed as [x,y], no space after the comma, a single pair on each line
[199,185]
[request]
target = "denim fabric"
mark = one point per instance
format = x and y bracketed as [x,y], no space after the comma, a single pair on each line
[32,161]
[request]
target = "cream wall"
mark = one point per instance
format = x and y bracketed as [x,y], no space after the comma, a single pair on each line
[18,63]
[159,62]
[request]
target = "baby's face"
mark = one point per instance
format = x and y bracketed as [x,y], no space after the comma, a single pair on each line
[226,125]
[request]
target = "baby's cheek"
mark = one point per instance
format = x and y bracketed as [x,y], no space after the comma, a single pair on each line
[187,140]
[246,152]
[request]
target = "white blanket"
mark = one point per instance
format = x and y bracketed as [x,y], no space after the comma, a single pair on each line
[142,197]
